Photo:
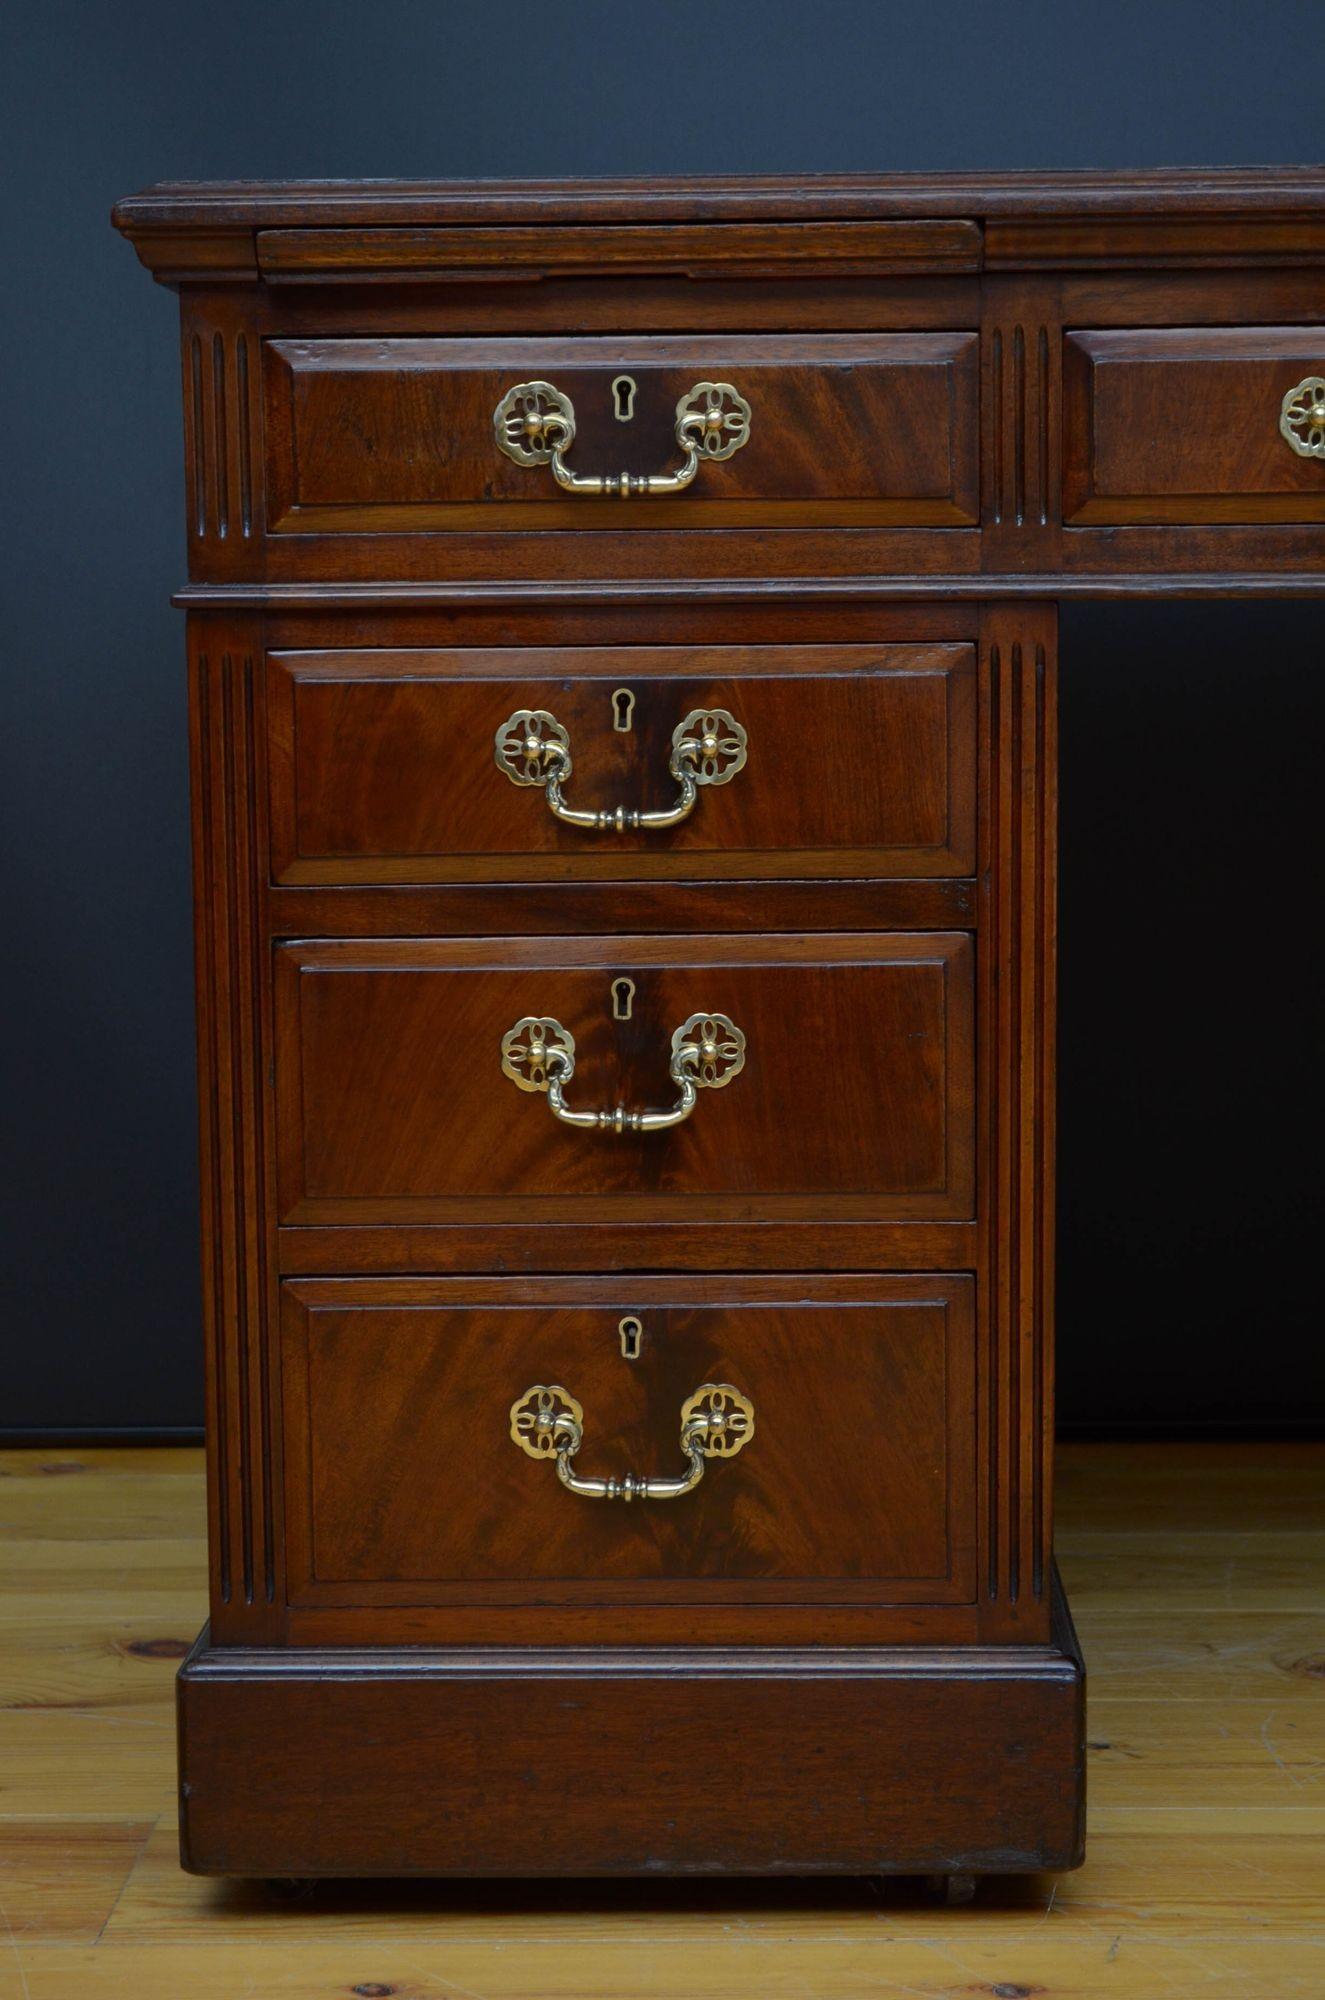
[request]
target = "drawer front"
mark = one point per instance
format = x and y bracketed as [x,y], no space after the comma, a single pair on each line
[843,1474]
[366,436]
[830,759]
[840,1083]
[1187,424]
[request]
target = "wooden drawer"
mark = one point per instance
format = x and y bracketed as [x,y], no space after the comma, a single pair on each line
[851,1482]
[367,436]
[1182,424]
[858,759]
[855,1101]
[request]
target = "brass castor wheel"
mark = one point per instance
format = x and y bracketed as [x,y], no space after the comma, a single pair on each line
[954,1889]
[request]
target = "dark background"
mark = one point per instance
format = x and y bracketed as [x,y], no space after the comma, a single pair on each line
[1190,733]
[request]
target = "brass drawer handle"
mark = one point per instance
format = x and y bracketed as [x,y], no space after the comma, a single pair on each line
[716,1422]
[1302,417]
[708,748]
[535,425]
[708,1050]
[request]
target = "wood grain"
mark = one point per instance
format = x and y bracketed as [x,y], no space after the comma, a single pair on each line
[393,1107]
[1182,424]
[954,591]
[311,203]
[923,1961]
[61,1878]
[752,249]
[970,392]
[365,436]
[346,1758]
[1018,945]
[230,863]
[714,267]
[1187,1888]
[857,1487]
[861,763]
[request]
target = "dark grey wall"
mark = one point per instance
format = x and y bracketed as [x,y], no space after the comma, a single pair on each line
[1191,850]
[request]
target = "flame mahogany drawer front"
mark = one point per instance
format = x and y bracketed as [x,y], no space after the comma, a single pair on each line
[833,1077]
[1192,424]
[417,1474]
[395,766]
[366,436]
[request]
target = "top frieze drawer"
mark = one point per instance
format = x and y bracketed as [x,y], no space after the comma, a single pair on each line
[374,436]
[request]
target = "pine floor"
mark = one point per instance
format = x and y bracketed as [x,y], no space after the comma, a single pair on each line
[1197,1575]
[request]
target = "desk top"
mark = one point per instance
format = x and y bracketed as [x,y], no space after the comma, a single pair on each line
[1170,191]
[885,224]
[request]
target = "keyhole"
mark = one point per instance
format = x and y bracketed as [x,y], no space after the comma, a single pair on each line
[623,398]
[632,1333]
[623,998]
[623,710]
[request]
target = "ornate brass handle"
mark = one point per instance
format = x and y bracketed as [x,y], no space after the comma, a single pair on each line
[708,1050]
[1302,417]
[716,1422]
[708,748]
[535,425]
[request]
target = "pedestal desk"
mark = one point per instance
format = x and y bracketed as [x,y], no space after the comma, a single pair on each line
[621,633]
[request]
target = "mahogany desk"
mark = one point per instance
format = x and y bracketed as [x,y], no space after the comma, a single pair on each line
[621,633]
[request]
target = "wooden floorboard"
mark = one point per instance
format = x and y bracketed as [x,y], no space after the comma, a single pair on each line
[1197,1573]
